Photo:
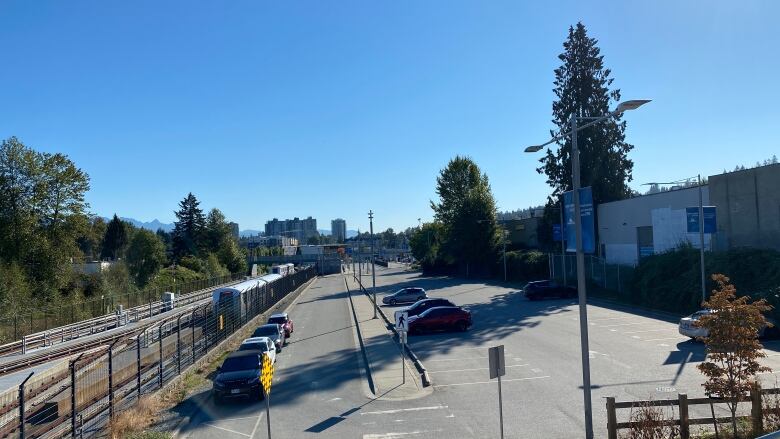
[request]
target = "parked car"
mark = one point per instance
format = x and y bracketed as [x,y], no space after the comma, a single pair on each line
[546,289]
[262,344]
[274,332]
[688,328]
[405,295]
[422,305]
[284,320]
[440,318]
[239,377]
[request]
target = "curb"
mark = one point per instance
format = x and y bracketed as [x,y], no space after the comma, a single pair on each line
[369,377]
[187,417]
[424,377]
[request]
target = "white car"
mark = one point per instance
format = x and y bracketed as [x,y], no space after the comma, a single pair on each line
[262,344]
[687,327]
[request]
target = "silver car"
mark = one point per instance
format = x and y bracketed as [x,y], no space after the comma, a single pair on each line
[687,325]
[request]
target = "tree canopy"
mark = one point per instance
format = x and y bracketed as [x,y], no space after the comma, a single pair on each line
[582,88]
[188,231]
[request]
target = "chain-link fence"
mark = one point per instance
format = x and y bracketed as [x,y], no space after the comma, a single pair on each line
[76,398]
[612,277]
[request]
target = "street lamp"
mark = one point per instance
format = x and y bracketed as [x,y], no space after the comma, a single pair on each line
[373,271]
[575,165]
[701,231]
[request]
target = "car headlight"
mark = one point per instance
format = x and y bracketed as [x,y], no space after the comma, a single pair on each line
[253,380]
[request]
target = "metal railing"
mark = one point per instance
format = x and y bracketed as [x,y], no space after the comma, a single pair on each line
[77,397]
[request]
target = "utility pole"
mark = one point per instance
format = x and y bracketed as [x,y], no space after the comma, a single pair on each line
[701,244]
[373,272]
[563,245]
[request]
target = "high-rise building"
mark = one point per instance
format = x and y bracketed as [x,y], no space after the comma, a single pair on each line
[338,229]
[300,229]
[234,230]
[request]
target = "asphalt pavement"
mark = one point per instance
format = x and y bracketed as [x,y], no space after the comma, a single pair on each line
[320,388]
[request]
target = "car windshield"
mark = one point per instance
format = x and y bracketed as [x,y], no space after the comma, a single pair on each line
[246,362]
[260,346]
[277,320]
[266,330]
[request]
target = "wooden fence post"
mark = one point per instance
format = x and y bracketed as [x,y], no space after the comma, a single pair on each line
[611,418]
[684,425]
[756,410]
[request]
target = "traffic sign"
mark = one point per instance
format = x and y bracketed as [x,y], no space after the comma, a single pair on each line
[496,361]
[402,337]
[557,232]
[402,321]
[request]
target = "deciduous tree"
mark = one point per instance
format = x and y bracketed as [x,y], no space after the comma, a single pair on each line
[733,348]
[145,256]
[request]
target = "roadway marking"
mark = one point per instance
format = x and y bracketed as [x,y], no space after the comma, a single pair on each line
[414,409]
[649,330]
[395,435]
[490,382]
[455,359]
[478,368]
[228,430]
[257,423]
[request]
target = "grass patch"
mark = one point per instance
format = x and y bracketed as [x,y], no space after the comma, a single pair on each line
[149,435]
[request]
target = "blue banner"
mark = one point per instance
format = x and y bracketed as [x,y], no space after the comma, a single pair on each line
[587,220]
[557,233]
[692,219]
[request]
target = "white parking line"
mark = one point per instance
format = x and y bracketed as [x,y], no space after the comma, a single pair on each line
[490,382]
[227,429]
[477,368]
[649,330]
[395,435]
[414,409]
[455,359]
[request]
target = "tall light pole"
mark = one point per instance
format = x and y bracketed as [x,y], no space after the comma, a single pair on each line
[504,235]
[575,165]
[373,272]
[701,230]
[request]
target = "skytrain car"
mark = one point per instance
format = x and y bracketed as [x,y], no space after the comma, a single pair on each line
[283,269]
[233,297]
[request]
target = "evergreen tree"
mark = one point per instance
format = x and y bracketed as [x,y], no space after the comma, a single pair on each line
[217,230]
[467,211]
[188,230]
[582,87]
[115,240]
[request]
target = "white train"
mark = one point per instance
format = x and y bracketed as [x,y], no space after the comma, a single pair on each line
[283,269]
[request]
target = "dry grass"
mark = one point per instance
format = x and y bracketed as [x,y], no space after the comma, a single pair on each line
[135,419]
[649,423]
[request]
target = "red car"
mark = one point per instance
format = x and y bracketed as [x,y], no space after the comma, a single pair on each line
[440,318]
[284,320]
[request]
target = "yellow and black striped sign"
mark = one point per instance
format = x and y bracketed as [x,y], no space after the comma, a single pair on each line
[267,373]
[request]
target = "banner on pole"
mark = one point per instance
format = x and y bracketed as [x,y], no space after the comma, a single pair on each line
[587,221]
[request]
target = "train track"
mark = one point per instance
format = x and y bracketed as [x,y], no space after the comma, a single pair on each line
[58,351]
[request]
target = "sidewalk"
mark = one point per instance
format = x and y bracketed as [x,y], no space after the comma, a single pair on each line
[383,353]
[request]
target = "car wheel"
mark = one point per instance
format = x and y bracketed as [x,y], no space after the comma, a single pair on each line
[462,326]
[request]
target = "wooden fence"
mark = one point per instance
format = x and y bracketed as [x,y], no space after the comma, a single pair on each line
[684,422]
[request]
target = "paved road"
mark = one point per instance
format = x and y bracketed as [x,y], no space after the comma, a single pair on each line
[319,389]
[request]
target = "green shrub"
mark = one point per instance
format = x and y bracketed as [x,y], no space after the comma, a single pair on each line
[525,265]
[671,281]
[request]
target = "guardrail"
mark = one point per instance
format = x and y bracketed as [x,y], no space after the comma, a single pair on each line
[756,417]
[76,398]
[106,322]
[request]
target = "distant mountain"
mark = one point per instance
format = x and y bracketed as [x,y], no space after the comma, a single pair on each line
[249,232]
[324,231]
[351,233]
[151,225]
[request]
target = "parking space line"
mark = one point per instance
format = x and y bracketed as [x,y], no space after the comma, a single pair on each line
[490,382]
[414,409]
[455,359]
[649,330]
[227,429]
[478,368]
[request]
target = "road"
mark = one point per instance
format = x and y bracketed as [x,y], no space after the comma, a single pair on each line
[319,389]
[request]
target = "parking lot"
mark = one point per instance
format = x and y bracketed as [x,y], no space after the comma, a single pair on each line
[634,354]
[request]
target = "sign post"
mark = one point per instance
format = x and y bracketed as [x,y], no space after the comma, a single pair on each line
[266,378]
[497,370]
[402,326]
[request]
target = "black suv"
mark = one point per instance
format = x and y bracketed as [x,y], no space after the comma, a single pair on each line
[239,376]
[546,289]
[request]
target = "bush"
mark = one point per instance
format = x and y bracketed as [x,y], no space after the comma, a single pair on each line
[671,281]
[524,265]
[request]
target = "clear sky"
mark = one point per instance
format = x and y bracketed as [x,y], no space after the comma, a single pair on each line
[331,108]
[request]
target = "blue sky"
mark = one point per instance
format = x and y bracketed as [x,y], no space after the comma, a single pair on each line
[282,109]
